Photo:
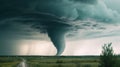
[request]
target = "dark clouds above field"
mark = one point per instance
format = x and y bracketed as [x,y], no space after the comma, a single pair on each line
[76,19]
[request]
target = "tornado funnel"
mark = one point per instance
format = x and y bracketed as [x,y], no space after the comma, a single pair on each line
[57,37]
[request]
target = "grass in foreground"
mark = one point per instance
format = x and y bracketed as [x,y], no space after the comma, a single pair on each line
[51,61]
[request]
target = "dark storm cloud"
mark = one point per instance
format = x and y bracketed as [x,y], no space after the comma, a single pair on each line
[40,17]
[86,1]
[54,17]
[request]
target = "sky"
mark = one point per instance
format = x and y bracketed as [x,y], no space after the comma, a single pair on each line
[58,27]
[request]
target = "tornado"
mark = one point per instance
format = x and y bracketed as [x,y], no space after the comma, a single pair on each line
[58,40]
[55,27]
[57,36]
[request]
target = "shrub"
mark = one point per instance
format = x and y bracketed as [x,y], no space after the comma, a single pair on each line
[107,57]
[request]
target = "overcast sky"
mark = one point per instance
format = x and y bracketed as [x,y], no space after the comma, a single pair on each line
[66,27]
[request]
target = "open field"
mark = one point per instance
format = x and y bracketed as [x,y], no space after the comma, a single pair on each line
[63,61]
[9,61]
[51,61]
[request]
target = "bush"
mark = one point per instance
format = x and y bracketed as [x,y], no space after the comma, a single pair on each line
[107,58]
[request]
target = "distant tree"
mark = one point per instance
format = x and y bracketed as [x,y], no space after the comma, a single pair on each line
[107,57]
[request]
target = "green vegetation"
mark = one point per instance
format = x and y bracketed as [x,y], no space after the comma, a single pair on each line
[63,61]
[9,61]
[108,58]
[53,61]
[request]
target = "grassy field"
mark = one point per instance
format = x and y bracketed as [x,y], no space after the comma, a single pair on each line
[9,61]
[63,61]
[51,61]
